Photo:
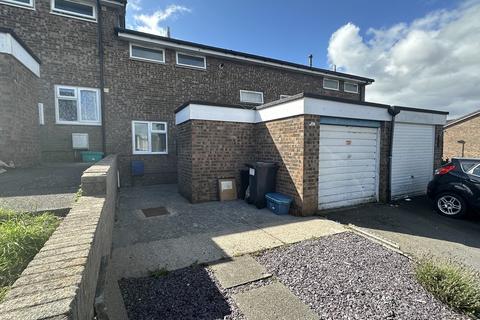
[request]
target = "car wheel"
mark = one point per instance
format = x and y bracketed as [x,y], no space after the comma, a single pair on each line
[451,205]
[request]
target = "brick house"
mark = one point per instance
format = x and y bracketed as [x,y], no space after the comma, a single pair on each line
[194,113]
[466,129]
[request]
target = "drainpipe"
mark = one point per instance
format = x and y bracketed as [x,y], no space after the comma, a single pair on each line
[393,112]
[101,65]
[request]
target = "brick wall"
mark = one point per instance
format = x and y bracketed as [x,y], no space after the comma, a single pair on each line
[311,164]
[384,182]
[61,282]
[184,156]
[469,131]
[19,114]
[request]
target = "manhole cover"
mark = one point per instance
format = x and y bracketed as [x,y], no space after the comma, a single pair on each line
[155,212]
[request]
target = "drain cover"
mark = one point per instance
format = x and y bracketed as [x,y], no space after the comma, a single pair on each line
[155,212]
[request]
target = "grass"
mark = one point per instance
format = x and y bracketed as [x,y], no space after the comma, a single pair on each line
[22,235]
[162,272]
[454,285]
[78,194]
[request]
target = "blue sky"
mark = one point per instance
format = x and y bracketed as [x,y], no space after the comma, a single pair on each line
[374,38]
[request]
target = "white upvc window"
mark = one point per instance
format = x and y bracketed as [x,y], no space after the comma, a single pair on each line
[350,87]
[331,84]
[251,96]
[77,106]
[76,8]
[149,137]
[19,3]
[191,60]
[149,54]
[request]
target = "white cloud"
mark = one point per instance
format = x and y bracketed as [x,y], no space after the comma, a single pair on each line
[134,5]
[150,22]
[433,62]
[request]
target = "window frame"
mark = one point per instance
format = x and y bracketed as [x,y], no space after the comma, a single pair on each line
[149,136]
[77,99]
[19,4]
[351,83]
[250,91]
[188,65]
[146,47]
[329,79]
[75,15]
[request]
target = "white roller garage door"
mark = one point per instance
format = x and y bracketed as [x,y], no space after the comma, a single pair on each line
[412,159]
[348,166]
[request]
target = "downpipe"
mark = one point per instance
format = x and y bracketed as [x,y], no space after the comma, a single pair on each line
[102,72]
[393,111]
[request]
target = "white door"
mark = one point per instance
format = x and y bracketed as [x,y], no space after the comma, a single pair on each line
[412,159]
[348,166]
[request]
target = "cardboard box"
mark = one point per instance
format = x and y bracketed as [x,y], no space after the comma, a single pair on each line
[227,189]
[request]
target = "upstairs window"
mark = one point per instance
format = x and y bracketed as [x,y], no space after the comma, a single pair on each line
[19,3]
[251,96]
[77,105]
[193,61]
[330,84]
[147,54]
[149,137]
[75,8]
[350,87]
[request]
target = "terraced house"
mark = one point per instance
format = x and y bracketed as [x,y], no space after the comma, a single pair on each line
[74,78]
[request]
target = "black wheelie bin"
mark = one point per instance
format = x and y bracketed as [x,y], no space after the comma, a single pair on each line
[262,179]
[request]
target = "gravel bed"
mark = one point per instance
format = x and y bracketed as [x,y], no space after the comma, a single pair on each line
[346,276]
[188,293]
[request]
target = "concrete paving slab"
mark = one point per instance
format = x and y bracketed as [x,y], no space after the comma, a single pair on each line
[303,230]
[273,301]
[238,271]
[239,243]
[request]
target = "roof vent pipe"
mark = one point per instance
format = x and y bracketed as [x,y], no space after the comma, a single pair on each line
[168,32]
[310,60]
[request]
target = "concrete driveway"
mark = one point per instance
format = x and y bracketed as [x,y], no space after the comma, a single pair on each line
[418,229]
[49,187]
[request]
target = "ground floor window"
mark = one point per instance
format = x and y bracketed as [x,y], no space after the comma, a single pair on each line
[74,105]
[149,137]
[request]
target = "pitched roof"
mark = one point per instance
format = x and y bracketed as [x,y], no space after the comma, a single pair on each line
[238,54]
[461,119]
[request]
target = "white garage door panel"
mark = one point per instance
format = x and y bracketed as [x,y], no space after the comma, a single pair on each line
[347,166]
[412,159]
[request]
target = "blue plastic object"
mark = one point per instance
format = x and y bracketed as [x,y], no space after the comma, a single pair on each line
[138,168]
[278,203]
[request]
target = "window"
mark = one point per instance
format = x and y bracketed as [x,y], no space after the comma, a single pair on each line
[41,116]
[350,87]
[77,105]
[475,171]
[75,8]
[468,165]
[251,96]
[149,137]
[19,3]
[189,60]
[330,84]
[147,54]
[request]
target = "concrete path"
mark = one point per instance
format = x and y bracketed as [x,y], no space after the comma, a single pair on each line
[47,187]
[238,271]
[418,229]
[273,302]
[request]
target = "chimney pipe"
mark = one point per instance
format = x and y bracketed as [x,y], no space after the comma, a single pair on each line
[168,32]
[310,60]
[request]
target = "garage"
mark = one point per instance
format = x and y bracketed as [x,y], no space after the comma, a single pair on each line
[348,165]
[412,159]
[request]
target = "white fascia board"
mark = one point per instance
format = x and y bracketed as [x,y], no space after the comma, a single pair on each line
[417,117]
[279,111]
[345,110]
[175,46]
[214,113]
[9,45]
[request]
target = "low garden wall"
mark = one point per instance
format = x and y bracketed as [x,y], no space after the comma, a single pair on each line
[62,281]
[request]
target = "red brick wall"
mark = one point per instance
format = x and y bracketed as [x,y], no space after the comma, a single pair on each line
[184,158]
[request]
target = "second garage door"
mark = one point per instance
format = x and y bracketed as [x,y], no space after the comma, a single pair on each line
[348,166]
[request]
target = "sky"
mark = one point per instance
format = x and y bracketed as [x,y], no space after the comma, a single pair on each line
[423,54]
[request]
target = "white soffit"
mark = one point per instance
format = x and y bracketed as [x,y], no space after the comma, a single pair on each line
[9,45]
[303,106]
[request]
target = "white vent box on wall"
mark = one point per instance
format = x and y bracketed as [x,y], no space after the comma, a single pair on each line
[80,140]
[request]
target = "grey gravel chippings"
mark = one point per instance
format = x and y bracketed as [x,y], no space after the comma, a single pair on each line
[346,276]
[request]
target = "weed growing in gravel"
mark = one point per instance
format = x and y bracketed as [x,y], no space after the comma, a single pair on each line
[452,284]
[162,272]
[78,194]
[22,235]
